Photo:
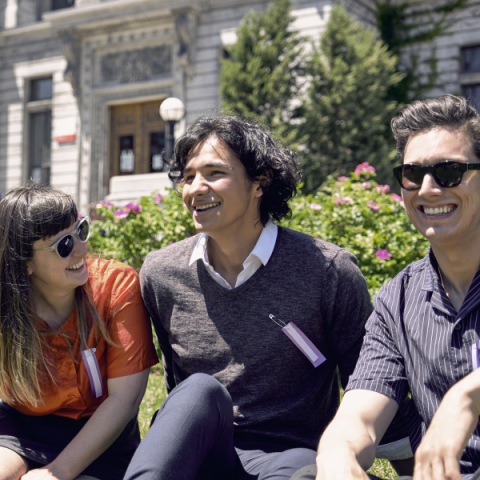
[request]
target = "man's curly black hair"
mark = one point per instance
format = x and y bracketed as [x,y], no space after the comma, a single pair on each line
[262,156]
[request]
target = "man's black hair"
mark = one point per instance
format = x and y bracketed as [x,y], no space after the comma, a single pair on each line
[447,111]
[262,156]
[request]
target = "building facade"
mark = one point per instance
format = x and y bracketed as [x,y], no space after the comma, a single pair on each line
[81,82]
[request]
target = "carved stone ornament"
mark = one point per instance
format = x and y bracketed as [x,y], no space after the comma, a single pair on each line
[186,31]
[137,65]
[71,52]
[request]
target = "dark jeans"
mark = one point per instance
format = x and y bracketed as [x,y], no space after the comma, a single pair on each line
[309,472]
[191,437]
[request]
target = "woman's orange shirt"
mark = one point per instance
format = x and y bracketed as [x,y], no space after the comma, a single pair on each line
[115,293]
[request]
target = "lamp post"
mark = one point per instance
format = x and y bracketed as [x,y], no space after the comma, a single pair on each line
[171,110]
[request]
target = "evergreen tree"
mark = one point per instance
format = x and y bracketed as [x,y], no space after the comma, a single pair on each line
[259,79]
[346,111]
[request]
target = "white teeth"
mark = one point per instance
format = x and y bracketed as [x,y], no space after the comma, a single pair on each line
[77,265]
[205,207]
[437,211]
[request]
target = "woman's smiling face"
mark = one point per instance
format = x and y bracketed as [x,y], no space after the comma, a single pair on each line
[49,270]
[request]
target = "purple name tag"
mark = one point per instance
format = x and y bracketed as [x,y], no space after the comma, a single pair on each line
[93,370]
[474,352]
[304,344]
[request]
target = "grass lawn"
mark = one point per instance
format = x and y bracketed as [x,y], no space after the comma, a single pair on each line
[155,395]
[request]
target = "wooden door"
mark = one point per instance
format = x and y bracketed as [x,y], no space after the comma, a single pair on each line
[137,139]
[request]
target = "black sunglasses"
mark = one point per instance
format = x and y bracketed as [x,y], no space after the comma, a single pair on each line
[64,245]
[447,174]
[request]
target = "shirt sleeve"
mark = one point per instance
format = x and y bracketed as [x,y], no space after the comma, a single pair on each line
[129,328]
[381,367]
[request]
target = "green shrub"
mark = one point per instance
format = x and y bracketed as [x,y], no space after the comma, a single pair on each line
[365,218]
[353,212]
[128,233]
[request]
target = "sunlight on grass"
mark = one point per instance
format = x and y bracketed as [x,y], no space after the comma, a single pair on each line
[154,397]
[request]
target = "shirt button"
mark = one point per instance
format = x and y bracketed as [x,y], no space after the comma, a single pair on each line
[72,396]
[458,327]
[68,364]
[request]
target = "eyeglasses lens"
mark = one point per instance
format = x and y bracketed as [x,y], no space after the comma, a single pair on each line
[412,176]
[83,230]
[65,246]
[448,174]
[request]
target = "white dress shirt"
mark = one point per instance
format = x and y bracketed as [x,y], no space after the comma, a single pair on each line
[259,256]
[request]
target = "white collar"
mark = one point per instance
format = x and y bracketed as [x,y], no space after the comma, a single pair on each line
[263,249]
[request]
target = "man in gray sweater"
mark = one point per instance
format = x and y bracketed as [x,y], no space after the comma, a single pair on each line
[254,320]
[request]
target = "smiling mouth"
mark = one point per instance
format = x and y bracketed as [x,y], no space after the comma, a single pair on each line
[437,211]
[204,208]
[77,265]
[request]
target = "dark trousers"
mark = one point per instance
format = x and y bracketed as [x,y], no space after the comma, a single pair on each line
[309,472]
[191,437]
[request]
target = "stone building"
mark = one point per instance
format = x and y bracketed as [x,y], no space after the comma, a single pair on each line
[81,82]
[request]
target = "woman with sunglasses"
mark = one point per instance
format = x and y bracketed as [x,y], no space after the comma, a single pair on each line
[75,346]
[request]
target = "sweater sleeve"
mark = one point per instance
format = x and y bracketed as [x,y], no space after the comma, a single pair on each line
[151,304]
[349,310]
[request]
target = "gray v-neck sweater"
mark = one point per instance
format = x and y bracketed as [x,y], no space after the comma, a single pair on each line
[203,327]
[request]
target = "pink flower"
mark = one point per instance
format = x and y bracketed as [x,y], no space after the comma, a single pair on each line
[383,254]
[374,206]
[103,203]
[381,189]
[366,184]
[315,206]
[158,198]
[79,215]
[134,207]
[395,197]
[121,213]
[342,179]
[364,167]
[344,200]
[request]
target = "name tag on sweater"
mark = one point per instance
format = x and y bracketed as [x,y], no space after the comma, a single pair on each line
[93,370]
[301,341]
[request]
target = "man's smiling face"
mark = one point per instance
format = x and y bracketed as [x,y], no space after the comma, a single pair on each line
[217,191]
[447,217]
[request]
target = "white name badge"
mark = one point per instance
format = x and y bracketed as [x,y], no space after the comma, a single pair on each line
[304,344]
[93,370]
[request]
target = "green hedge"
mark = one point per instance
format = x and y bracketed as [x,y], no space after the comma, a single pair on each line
[353,212]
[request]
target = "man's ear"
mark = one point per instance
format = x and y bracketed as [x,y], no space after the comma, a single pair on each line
[263,182]
[29,269]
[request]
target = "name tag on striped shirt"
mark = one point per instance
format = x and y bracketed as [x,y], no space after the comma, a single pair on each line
[474,352]
[93,370]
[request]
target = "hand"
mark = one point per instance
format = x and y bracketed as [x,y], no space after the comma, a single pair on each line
[339,464]
[48,472]
[442,447]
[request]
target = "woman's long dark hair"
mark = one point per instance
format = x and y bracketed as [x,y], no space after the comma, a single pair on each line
[28,214]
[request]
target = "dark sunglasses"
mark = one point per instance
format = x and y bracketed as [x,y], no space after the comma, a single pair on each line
[447,174]
[64,245]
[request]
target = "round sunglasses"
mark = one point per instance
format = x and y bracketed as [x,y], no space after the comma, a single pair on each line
[64,245]
[447,173]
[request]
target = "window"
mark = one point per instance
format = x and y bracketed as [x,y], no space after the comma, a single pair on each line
[471,59]
[39,111]
[470,74]
[472,93]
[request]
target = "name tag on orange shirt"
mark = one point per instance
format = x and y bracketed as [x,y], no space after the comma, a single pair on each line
[93,370]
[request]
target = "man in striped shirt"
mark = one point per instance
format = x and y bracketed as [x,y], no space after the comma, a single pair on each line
[423,336]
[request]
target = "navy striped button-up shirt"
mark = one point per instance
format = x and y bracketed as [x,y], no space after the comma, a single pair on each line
[416,341]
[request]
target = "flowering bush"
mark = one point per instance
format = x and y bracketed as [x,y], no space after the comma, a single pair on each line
[361,216]
[130,232]
[353,212]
